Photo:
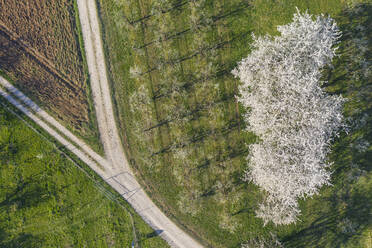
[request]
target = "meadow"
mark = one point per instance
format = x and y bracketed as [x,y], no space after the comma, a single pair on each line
[42,53]
[169,64]
[48,198]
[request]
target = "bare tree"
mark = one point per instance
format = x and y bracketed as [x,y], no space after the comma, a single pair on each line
[269,242]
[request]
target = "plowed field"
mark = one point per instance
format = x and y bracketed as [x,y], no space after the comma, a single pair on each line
[40,52]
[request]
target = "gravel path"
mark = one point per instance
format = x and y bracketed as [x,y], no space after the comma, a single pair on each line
[37,117]
[51,121]
[121,177]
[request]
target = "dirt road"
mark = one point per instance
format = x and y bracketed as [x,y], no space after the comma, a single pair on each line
[50,121]
[33,111]
[121,177]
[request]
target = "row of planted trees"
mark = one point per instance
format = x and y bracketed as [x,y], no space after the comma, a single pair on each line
[185,100]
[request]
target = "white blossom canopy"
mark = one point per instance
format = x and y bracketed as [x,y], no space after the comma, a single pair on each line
[294,118]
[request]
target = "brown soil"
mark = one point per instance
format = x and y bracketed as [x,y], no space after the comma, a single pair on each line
[39,51]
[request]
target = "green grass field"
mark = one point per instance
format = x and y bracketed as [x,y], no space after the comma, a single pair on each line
[46,201]
[170,66]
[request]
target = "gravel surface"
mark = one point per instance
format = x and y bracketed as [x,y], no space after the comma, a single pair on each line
[121,176]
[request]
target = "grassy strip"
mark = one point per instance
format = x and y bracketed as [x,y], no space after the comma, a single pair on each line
[95,143]
[44,180]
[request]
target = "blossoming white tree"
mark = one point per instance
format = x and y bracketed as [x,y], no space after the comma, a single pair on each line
[293,117]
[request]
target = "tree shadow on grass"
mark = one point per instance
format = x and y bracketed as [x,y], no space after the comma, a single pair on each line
[24,240]
[151,235]
[26,195]
[342,212]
